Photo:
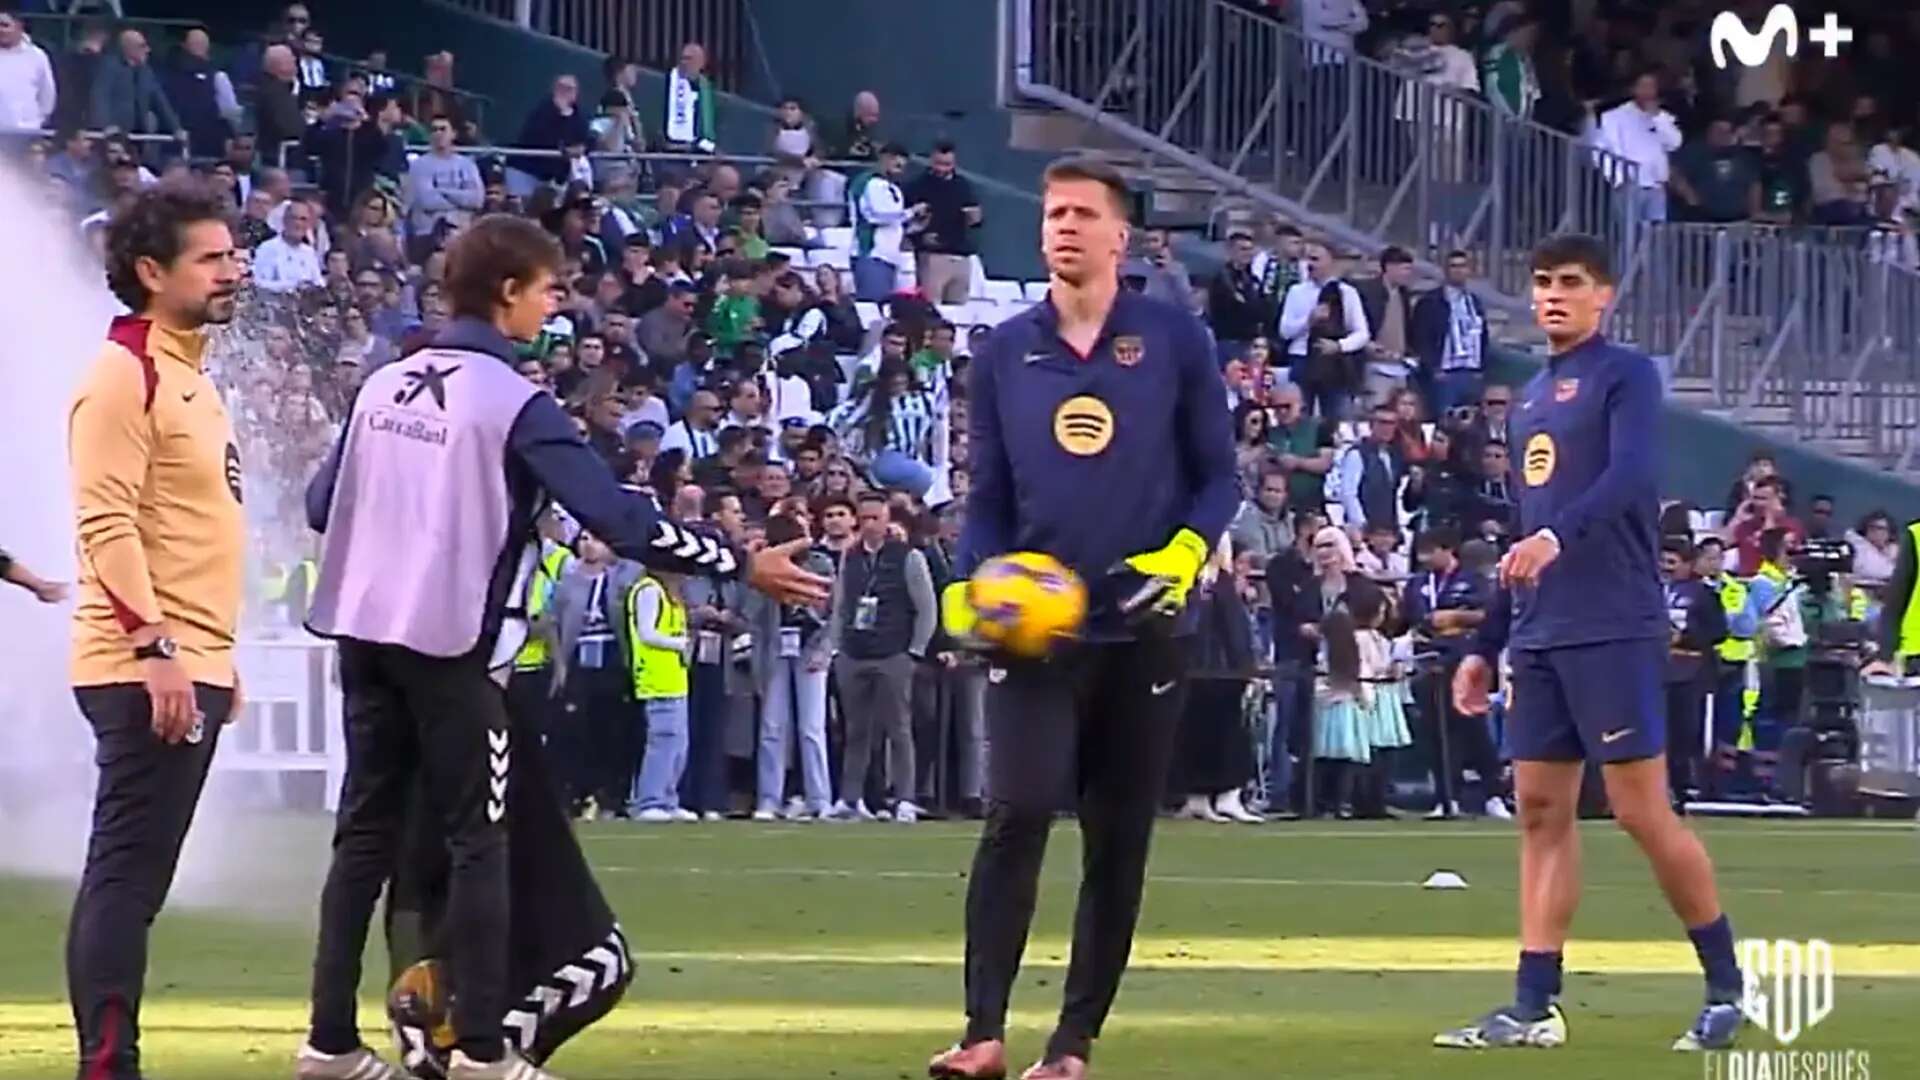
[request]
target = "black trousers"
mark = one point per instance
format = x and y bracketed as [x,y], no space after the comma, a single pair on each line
[538,718]
[1215,752]
[1092,728]
[1469,743]
[1686,727]
[564,946]
[417,721]
[606,721]
[147,794]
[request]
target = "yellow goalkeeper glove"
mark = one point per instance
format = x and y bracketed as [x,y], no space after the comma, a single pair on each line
[957,614]
[1169,572]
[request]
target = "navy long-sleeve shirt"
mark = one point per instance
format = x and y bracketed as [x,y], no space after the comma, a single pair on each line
[1095,459]
[546,457]
[1585,439]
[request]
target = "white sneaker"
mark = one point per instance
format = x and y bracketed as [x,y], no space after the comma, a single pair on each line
[1497,809]
[861,813]
[1200,808]
[356,1064]
[654,816]
[685,816]
[1446,811]
[907,813]
[795,810]
[511,1066]
[764,814]
[713,817]
[1228,804]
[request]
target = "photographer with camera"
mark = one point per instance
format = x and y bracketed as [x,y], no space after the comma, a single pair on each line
[1444,605]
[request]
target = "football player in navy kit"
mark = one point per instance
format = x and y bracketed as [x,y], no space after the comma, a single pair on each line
[1100,435]
[1584,619]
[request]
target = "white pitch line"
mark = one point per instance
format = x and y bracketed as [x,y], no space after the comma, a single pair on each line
[1278,831]
[1181,879]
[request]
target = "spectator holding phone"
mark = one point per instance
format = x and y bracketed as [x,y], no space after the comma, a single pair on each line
[1765,508]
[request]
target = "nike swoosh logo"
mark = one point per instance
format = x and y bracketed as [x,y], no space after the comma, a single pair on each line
[190,397]
[1036,357]
[1161,688]
[1615,736]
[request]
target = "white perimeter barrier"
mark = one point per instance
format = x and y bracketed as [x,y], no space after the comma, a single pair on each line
[291,716]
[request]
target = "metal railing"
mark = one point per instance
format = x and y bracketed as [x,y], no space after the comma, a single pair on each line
[1814,330]
[1338,141]
[649,32]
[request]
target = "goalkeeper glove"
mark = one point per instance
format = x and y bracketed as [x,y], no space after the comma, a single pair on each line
[1169,574]
[957,615]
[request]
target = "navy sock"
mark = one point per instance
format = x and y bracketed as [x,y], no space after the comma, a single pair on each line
[1537,983]
[1713,943]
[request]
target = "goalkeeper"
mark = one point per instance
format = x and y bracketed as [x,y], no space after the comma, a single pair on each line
[1099,435]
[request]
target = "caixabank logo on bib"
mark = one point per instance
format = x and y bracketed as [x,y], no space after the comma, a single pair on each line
[1788,992]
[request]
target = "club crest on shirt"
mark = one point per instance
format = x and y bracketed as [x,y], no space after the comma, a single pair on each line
[1538,459]
[1083,425]
[1565,390]
[1129,349]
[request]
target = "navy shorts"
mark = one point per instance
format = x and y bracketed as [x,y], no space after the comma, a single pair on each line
[1602,702]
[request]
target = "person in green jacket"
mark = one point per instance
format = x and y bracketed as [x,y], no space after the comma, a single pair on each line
[1506,71]
[736,314]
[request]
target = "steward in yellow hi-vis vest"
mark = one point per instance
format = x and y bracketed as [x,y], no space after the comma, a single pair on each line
[1900,618]
[657,626]
[659,636]
[536,654]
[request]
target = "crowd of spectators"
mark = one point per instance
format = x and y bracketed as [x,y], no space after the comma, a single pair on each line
[747,392]
[1796,140]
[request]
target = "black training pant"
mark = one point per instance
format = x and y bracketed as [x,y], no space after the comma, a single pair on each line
[1469,741]
[1215,752]
[1093,728]
[567,960]
[607,723]
[146,797]
[1686,730]
[411,717]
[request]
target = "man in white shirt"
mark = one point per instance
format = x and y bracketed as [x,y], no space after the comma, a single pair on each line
[1895,160]
[27,94]
[1642,132]
[879,212]
[289,262]
[1326,367]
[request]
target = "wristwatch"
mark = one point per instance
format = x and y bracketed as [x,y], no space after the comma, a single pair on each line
[160,648]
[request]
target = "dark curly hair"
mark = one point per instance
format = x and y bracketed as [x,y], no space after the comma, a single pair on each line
[154,226]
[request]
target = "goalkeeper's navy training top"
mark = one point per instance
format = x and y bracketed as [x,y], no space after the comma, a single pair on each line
[1584,438]
[1093,459]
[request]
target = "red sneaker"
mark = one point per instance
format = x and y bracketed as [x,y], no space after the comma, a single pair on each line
[986,1060]
[1066,1068]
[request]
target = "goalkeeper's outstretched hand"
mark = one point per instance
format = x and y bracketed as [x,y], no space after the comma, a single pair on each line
[1169,575]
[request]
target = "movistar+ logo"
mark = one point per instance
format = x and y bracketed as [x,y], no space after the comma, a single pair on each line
[1753,48]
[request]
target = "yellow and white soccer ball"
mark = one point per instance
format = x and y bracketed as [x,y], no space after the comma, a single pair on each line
[1026,603]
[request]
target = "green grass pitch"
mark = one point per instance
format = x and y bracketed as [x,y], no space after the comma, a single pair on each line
[1300,950]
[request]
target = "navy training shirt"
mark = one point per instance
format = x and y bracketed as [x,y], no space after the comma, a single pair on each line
[1583,438]
[1096,459]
